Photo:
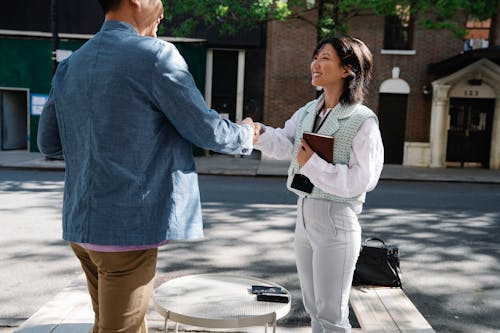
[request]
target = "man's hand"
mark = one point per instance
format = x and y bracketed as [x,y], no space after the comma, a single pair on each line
[304,153]
[247,121]
[255,126]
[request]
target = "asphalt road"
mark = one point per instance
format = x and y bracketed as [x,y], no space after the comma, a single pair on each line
[447,234]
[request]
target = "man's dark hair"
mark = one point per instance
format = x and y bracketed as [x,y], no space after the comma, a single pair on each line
[108,5]
[355,56]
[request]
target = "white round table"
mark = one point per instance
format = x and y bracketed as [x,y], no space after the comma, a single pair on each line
[217,301]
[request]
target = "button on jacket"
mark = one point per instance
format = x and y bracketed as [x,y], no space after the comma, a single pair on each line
[124,112]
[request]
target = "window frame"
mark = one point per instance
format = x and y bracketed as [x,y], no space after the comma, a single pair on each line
[476,28]
[398,34]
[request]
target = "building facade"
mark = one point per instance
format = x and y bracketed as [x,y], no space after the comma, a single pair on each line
[436,96]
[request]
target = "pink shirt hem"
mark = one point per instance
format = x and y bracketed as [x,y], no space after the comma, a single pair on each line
[120,248]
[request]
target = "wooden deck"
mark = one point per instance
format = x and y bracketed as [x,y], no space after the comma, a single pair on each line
[377,309]
[70,311]
[387,310]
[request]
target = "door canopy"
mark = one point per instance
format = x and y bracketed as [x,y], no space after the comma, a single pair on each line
[480,79]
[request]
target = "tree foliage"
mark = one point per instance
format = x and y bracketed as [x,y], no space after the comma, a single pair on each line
[183,17]
[428,14]
[230,16]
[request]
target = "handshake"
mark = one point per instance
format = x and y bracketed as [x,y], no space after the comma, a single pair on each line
[257,128]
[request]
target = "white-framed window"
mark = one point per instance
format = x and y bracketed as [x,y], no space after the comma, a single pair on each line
[398,30]
[478,34]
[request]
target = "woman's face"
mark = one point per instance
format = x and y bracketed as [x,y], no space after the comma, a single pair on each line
[326,69]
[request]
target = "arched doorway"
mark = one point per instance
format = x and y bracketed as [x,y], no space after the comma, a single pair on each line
[393,102]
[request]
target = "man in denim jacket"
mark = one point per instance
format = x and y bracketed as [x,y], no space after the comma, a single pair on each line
[124,112]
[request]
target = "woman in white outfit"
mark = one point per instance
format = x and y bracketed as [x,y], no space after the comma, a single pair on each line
[327,233]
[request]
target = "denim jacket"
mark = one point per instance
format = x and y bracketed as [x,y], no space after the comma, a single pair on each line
[124,112]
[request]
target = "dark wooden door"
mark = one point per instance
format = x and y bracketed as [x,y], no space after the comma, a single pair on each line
[392,119]
[469,134]
[224,82]
[13,119]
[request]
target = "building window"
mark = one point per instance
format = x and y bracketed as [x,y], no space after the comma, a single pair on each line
[478,34]
[398,30]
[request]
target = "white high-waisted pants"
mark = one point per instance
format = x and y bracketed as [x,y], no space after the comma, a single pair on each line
[327,244]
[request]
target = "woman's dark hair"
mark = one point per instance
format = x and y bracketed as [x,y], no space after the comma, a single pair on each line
[355,56]
[108,5]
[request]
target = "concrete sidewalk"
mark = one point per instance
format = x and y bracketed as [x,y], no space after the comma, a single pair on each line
[250,166]
[253,167]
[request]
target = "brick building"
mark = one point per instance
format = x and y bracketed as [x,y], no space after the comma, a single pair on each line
[437,96]
[438,103]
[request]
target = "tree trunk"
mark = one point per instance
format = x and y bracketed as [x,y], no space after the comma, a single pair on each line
[328,11]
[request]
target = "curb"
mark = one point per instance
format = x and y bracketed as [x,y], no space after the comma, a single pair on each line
[224,165]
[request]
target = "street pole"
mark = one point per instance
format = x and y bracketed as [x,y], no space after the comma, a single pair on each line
[55,36]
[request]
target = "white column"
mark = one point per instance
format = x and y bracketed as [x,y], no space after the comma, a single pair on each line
[240,87]
[495,138]
[439,125]
[208,77]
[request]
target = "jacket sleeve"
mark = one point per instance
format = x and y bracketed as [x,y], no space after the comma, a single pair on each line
[49,141]
[177,96]
[278,142]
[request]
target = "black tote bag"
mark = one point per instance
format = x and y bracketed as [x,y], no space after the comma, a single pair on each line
[377,265]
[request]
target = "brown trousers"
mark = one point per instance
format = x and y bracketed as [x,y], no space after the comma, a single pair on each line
[120,285]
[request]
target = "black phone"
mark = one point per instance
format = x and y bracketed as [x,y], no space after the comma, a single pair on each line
[268,297]
[302,183]
[258,289]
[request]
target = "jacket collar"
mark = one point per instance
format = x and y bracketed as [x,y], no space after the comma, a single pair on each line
[118,25]
[331,123]
[340,111]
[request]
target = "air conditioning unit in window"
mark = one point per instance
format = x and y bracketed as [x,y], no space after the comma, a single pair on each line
[477,43]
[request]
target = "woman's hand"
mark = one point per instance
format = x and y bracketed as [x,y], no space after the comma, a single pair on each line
[304,153]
